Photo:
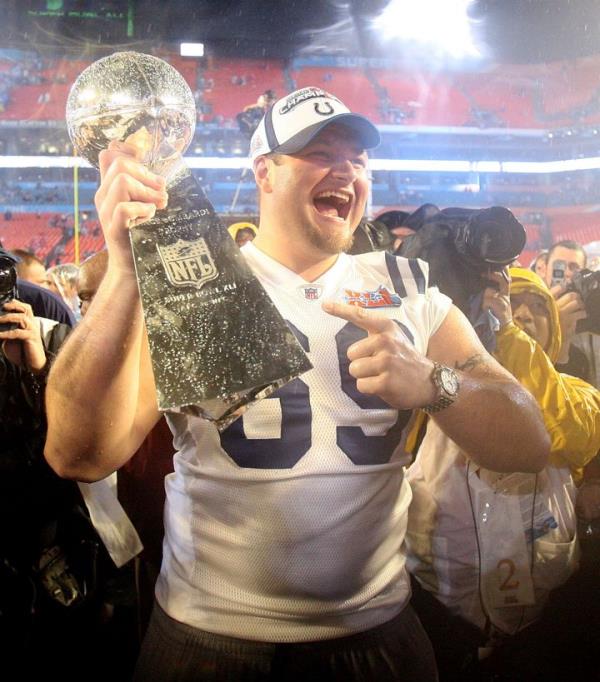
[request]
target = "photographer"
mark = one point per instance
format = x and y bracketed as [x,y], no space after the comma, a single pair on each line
[48,550]
[577,292]
[528,345]
[251,116]
[461,245]
[42,301]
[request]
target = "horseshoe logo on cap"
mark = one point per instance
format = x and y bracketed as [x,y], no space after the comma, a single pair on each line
[328,111]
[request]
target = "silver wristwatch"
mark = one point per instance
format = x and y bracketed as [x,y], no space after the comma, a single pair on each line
[446,382]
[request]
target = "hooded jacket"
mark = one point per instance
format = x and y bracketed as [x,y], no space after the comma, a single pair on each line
[570,406]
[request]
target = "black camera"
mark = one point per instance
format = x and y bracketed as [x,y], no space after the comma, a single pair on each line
[8,284]
[485,237]
[461,245]
[586,283]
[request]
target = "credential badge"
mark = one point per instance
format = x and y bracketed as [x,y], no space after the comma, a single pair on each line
[188,263]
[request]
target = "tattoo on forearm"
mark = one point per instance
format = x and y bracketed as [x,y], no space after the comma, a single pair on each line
[470,363]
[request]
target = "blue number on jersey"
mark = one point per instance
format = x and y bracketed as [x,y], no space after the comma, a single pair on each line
[360,448]
[296,419]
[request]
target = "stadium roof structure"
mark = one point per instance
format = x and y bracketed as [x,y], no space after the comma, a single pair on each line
[504,30]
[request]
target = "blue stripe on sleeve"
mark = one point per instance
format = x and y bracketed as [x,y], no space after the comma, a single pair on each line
[417,274]
[396,277]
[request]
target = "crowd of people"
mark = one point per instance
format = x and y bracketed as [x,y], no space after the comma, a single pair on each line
[423,504]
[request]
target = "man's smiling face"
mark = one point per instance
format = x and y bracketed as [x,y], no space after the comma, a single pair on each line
[321,191]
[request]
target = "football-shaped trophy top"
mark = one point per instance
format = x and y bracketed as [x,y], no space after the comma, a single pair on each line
[135,98]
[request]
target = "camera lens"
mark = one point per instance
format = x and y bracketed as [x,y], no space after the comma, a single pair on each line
[495,236]
[587,284]
[8,276]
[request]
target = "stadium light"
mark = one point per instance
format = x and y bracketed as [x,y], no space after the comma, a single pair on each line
[441,26]
[566,166]
[191,49]
[421,165]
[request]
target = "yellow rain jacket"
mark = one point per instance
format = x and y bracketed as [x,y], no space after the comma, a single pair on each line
[570,406]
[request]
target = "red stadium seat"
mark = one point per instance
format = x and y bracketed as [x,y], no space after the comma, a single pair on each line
[234,84]
[31,232]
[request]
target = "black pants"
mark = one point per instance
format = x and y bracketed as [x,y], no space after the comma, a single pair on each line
[397,650]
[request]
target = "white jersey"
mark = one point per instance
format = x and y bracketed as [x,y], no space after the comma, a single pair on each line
[288,526]
[470,535]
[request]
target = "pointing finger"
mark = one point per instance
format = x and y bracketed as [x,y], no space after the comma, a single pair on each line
[369,321]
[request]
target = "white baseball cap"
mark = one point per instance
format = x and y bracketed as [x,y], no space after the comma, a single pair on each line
[294,120]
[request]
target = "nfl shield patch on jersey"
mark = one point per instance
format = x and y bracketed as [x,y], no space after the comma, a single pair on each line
[311,292]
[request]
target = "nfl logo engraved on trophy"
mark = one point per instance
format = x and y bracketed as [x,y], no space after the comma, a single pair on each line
[187,262]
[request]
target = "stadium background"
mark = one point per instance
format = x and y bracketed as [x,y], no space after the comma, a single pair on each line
[516,125]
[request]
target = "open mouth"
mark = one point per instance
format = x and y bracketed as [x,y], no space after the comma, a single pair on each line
[333,204]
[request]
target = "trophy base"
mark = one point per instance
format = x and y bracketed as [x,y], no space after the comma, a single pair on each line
[222,413]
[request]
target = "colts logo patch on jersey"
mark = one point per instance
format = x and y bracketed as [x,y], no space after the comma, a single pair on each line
[382,298]
[188,263]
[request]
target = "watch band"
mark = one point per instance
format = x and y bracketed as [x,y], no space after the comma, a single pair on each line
[440,404]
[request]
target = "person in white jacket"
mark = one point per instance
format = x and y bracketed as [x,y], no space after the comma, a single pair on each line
[490,547]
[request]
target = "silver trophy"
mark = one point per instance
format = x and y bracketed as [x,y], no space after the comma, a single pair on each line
[217,341]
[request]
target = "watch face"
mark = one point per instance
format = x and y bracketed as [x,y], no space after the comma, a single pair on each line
[449,380]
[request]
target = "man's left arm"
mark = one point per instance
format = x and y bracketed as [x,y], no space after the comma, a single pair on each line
[493,419]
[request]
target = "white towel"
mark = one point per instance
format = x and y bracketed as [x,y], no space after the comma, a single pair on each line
[110,520]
